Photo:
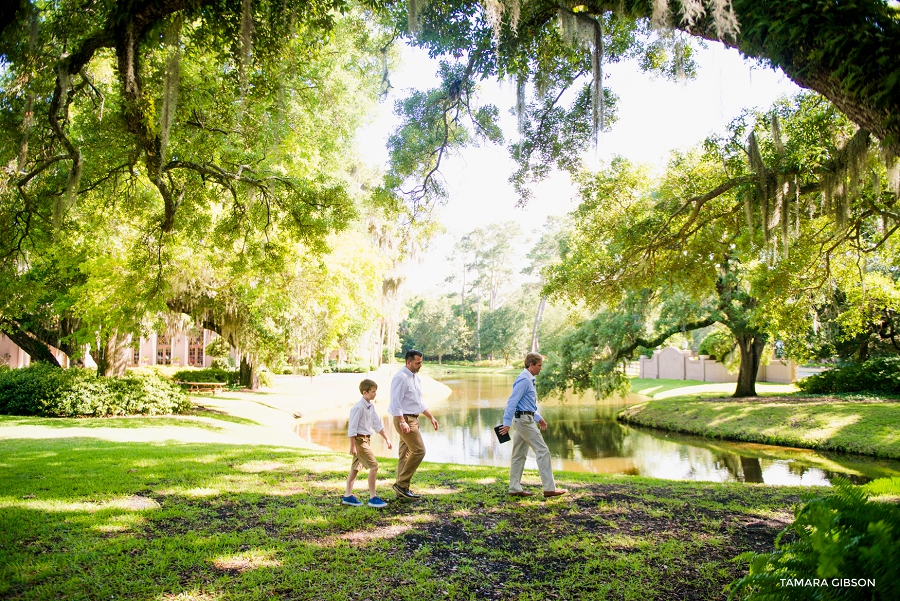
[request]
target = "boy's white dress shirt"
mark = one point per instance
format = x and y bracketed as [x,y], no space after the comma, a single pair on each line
[364,420]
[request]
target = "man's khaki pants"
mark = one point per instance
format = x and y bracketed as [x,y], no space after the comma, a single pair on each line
[527,435]
[411,450]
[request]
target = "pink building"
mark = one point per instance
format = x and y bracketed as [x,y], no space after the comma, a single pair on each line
[183,348]
[12,355]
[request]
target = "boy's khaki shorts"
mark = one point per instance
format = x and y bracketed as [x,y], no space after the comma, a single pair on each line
[364,456]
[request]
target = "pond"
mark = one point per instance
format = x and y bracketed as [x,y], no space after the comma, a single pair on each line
[583,435]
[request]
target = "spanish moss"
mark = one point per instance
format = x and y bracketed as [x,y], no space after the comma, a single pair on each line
[414,9]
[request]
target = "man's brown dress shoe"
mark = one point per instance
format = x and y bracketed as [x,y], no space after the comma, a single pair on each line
[521,493]
[555,493]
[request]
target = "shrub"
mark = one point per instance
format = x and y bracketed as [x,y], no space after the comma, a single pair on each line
[490,363]
[41,389]
[350,369]
[210,374]
[842,535]
[266,379]
[880,374]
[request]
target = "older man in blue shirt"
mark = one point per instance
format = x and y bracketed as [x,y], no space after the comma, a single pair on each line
[521,411]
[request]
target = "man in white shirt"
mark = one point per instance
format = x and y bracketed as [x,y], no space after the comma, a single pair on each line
[406,405]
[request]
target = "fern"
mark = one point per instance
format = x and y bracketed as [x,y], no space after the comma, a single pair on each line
[844,534]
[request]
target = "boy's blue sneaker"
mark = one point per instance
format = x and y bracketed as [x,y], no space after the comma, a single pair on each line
[352,500]
[377,502]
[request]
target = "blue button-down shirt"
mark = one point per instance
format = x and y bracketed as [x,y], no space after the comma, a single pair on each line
[523,398]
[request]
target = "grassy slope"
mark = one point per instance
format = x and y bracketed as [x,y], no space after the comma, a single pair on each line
[82,518]
[858,425]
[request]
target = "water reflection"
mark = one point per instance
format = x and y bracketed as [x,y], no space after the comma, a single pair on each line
[583,436]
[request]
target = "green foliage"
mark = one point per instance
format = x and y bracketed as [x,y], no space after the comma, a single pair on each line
[503,332]
[742,242]
[231,378]
[44,390]
[879,375]
[349,369]
[435,329]
[218,348]
[717,345]
[843,534]
[884,487]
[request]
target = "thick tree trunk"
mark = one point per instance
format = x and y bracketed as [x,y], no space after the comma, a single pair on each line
[249,376]
[110,355]
[439,358]
[535,345]
[751,346]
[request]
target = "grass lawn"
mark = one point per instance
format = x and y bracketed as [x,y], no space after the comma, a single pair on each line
[86,518]
[855,424]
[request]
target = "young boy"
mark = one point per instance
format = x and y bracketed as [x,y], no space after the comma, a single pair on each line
[364,421]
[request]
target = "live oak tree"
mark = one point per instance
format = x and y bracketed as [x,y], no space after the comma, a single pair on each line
[750,231]
[138,135]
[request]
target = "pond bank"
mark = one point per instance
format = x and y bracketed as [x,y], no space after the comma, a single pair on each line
[862,425]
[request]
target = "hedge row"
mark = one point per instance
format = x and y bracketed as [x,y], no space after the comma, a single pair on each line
[41,389]
[881,375]
[211,374]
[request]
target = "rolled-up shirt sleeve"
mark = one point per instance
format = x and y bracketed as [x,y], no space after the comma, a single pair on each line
[520,386]
[353,426]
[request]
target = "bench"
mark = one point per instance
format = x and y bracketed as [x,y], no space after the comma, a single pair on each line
[198,387]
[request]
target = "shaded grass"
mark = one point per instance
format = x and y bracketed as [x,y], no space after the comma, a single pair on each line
[88,519]
[868,427]
[652,386]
